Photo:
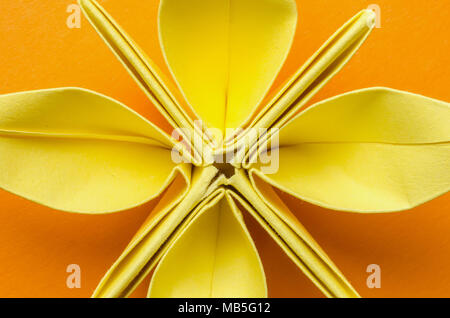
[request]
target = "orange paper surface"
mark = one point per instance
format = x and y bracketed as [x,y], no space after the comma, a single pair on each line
[409,52]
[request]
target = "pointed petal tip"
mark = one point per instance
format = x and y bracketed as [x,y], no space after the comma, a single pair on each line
[371,17]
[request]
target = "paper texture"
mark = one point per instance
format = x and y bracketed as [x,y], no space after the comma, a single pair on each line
[373,150]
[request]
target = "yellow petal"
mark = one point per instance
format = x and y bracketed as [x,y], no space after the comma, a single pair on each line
[213,257]
[309,79]
[264,205]
[225,54]
[74,150]
[144,71]
[164,225]
[372,150]
[317,71]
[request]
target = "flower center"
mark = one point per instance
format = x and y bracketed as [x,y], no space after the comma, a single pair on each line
[226,169]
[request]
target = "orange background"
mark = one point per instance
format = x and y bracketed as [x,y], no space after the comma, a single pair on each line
[410,52]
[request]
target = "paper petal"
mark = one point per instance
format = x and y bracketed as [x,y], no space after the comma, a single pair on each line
[213,257]
[225,54]
[373,150]
[163,226]
[75,150]
[146,73]
[143,70]
[317,71]
[309,79]
[270,212]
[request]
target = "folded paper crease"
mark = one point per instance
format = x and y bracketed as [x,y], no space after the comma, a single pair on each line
[370,150]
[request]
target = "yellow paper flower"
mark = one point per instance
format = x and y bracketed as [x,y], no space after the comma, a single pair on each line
[372,150]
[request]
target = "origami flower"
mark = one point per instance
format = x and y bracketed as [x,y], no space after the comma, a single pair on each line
[372,150]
